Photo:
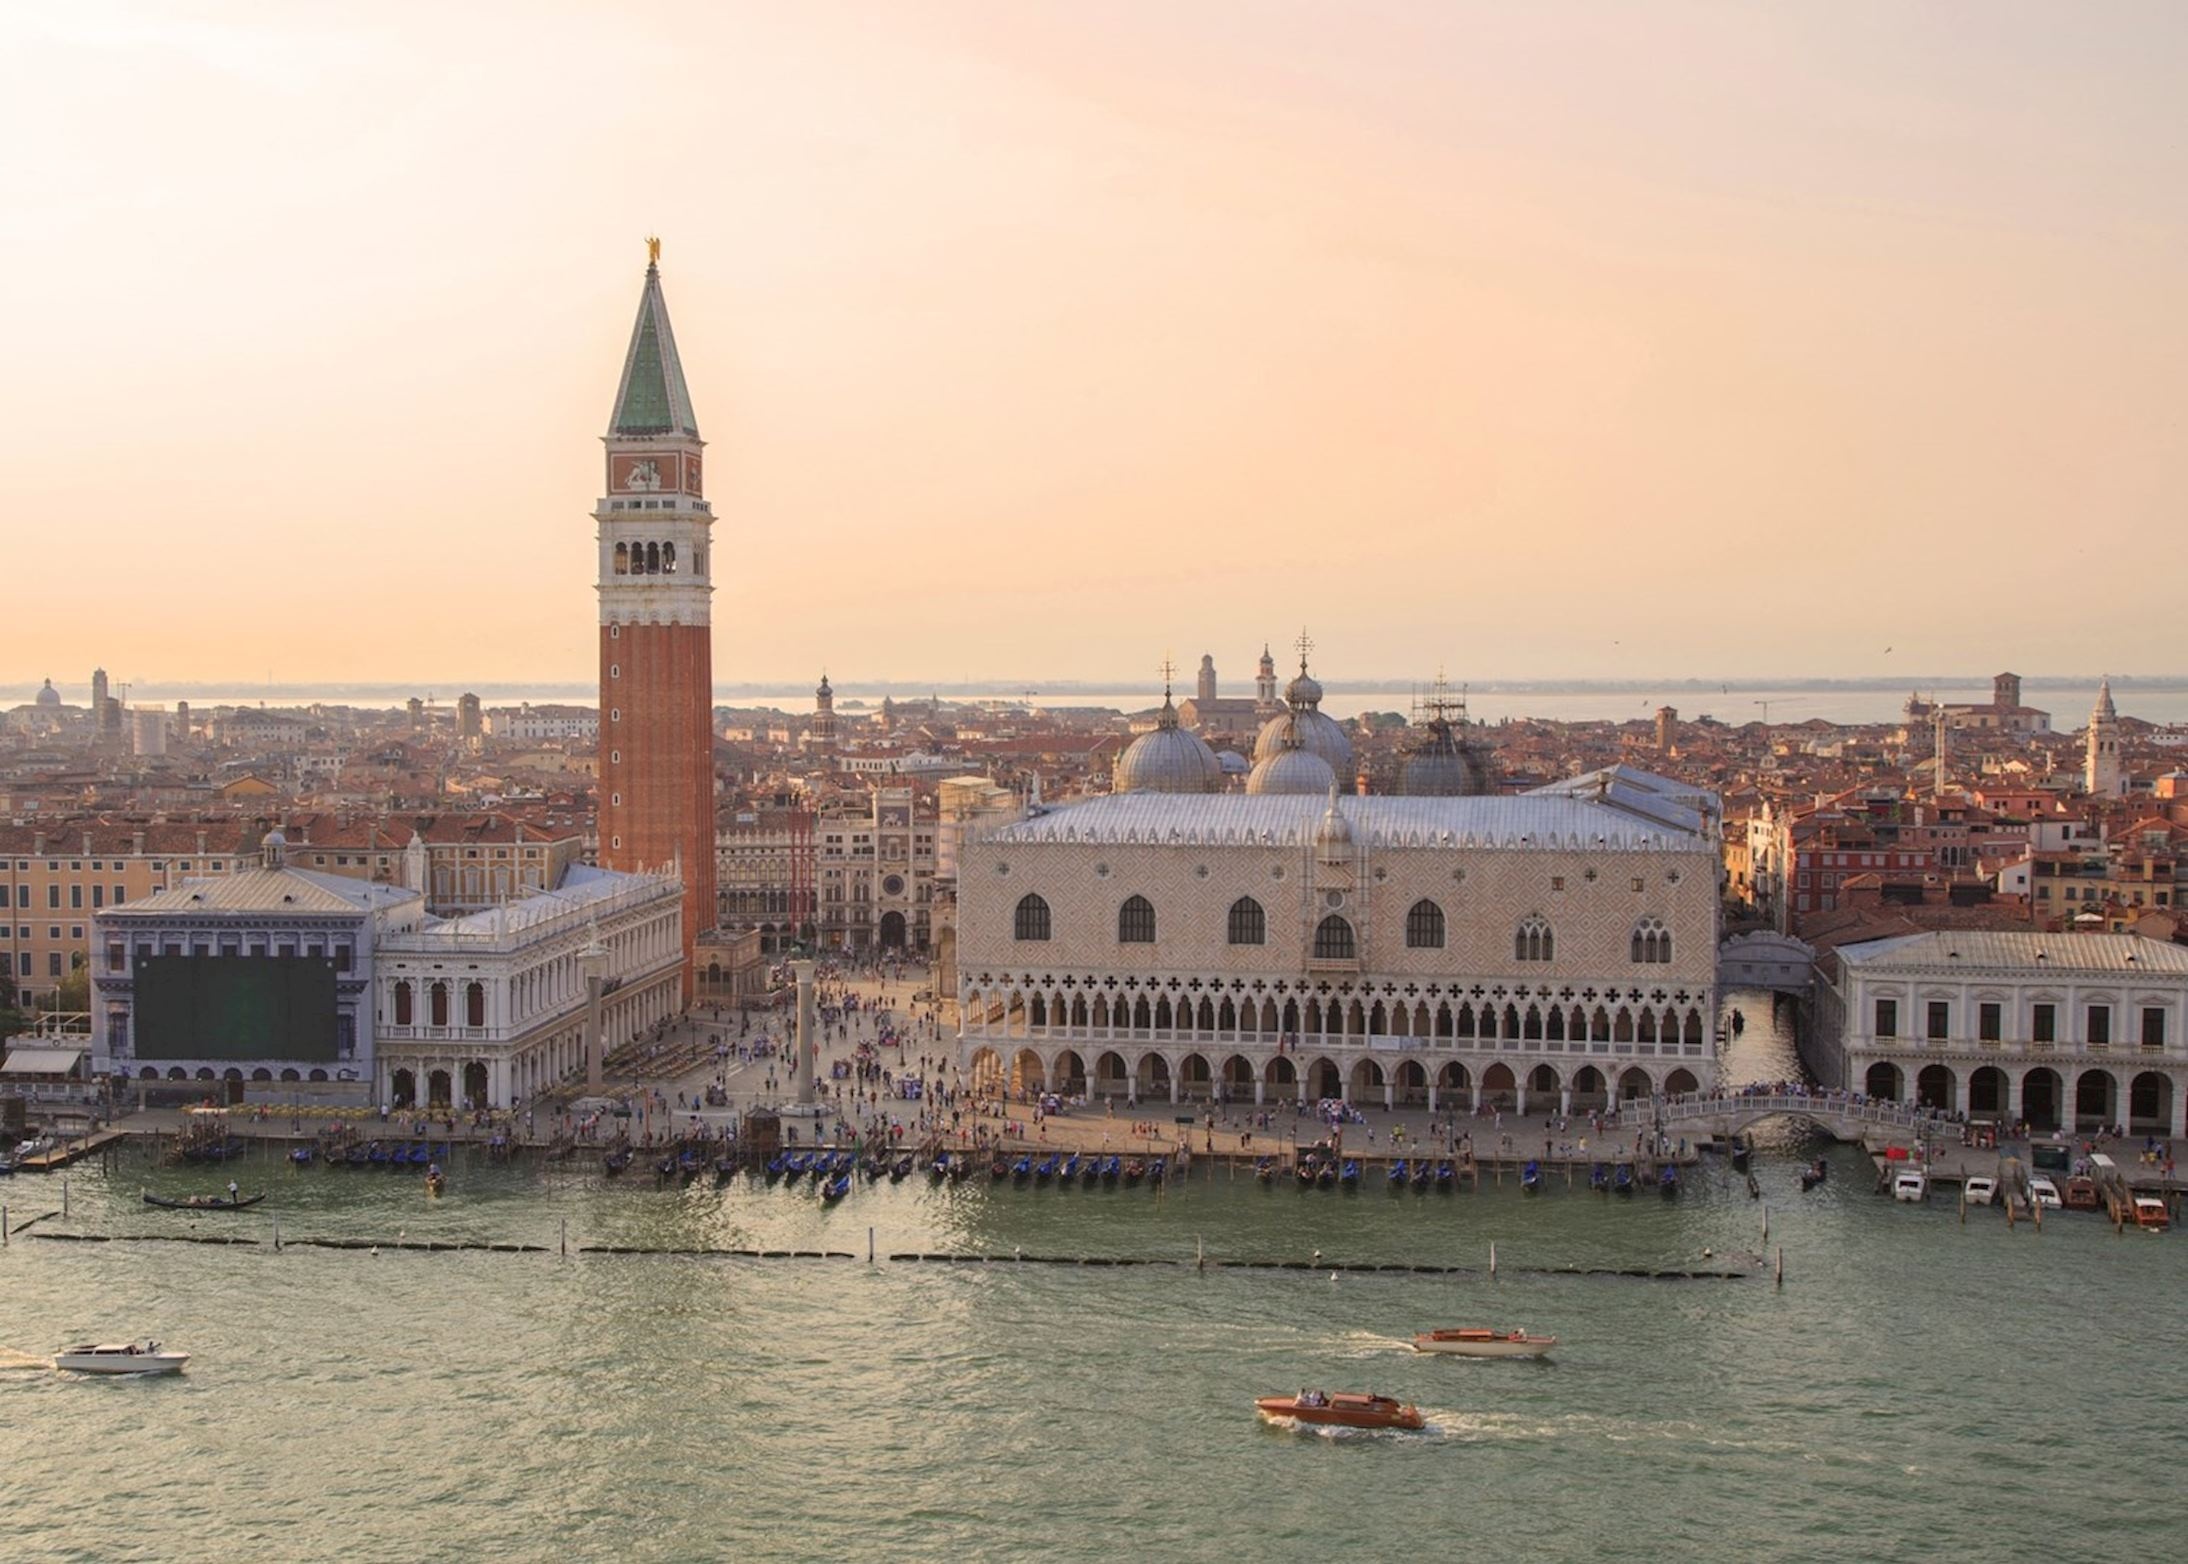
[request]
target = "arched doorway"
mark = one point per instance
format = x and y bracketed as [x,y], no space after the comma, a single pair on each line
[1454,1083]
[2095,1100]
[1109,1075]
[437,1086]
[2150,1104]
[475,1087]
[1027,1073]
[1934,1087]
[986,1072]
[1069,1075]
[1323,1081]
[1635,1083]
[1589,1088]
[2040,1098]
[1987,1092]
[1367,1082]
[291,1075]
[1543,1079]
[1282,1079]
[1238,1077]
[1680,1082]
[1412,1084]
[403,1089]
[1882,1081]
[262,1074]
[1154,1075]
[892,931]
[1194,1077]
[1498,1085]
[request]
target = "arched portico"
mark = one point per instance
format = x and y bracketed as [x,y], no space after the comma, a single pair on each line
[1883,1081]
[1368,1085]
[1498,1086]
[1590,1090]
[1069,1074]
[1635,1082]
[1280,1079]
[1412,1084]
[2150,1104]
[1987,1092]
[2041,1098]
[2096,1100]
[1110,1075]
[1934,1087]
[1323,1081]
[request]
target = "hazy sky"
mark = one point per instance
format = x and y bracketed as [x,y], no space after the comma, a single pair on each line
[1046,338]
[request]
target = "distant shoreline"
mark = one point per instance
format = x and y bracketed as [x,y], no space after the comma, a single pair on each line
[1130,694]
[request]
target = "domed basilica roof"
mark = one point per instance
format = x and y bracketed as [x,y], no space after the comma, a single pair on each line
[1169,760]
[1291,767]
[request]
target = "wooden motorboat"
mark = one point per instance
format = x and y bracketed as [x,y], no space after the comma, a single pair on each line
[615,1161]
[1815,1173]
[205,1202]
[134,1357]
[2150,1213]
[1473,1343]
[1341,1409]
[435,1181]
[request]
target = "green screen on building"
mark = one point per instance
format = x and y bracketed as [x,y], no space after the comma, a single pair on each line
[235,1007]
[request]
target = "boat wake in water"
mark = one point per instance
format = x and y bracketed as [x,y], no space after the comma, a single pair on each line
[22,1361]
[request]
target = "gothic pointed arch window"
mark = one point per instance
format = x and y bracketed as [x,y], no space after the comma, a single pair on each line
[653,559]
[1533,940]
[668,559]
[1136,922]
[1249,925]
[1333,940]
[1651,941]
[622,559]
[1031,921]
[1424,926]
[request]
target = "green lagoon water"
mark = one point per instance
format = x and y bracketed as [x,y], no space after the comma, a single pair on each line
[1918,1389]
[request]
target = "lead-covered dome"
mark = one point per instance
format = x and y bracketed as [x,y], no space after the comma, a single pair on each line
[1169,760]
[1292,769]
[1443,764]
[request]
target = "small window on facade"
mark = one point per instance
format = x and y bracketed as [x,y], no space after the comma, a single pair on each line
[1989,1021]
[1533,941]
[1333,940]
[2044,1024]
[1136,922]
[1247,924]
[2100,1026]
[1939,1020]
[2153,1027]
[1424,926]
[1887,1018]
[1031,921]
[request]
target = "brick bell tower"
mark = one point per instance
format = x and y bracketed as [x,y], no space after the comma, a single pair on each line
[656,639]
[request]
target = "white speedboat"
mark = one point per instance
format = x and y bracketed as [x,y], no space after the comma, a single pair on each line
[131,1357]
[1912,1186]
[1474,1343]
[1981,1191]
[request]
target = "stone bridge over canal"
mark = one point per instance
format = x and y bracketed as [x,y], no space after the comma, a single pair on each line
[1834,1114]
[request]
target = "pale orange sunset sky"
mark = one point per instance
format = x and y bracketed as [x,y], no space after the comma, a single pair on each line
[1038,339]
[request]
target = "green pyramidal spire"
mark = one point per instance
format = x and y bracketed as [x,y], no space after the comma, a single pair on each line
[652,399]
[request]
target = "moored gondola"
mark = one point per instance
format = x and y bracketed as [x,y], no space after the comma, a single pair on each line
[1599,1178]
[238,1202]
[301,1156]
[1622,1179]
[999,1168]
[1349,1174]
[1447,1177]
[836,1187]
[1530,1177]
[1021,1170]
[616,1161]
[1667,1178]
[1265,1170]
[1069,1172]
[1134,1171]
[1396,1176]
[1157,1169]
[1742,1150]
[901,1170]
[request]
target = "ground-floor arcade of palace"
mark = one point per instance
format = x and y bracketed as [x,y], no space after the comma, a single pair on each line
[1385,1077]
